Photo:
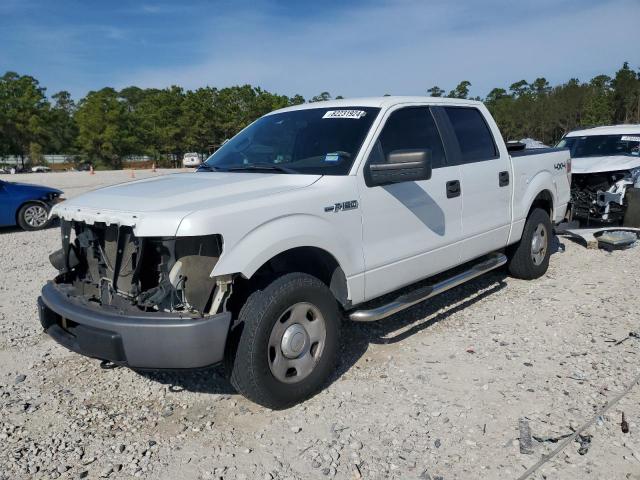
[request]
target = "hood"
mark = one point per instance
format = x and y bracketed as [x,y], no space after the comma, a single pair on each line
[613,163]
[155,206]
[40,189]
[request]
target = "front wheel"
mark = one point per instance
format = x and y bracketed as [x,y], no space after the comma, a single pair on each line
[33,216]
[529,258]
[285,344]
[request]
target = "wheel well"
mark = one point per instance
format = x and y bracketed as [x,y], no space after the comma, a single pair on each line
[543,200]
[312,260]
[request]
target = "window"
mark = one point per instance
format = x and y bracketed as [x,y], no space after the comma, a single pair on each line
[473,134]
[410,128]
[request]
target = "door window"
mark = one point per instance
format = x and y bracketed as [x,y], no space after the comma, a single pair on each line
[410,128]
[473,135]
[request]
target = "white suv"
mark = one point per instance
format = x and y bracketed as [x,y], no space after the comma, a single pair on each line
[191,160]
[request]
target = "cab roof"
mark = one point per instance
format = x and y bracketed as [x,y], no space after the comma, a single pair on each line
[606,130]
[380,102]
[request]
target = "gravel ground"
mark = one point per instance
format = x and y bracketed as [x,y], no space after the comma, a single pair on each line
[433,393]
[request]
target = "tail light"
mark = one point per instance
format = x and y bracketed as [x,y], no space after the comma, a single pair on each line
[569,170]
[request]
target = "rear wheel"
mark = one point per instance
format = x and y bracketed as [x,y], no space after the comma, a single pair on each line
[33,216]
[285,344]
[529,258]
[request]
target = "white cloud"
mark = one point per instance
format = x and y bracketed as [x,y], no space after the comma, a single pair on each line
[406,47]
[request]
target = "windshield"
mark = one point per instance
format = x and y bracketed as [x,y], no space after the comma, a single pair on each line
[321,141]
[602,145]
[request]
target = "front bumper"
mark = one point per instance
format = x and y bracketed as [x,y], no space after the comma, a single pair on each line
[134,339]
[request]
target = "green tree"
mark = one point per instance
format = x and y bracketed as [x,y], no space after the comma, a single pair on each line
[296,100]
[323,97]
[106,125]
[626,95]
[35,154]
[24,113]
[156,116]
[435,91]
[496,95]
[62,127]
[519,88]
[540,86]
[461,91]
[598,109]
[105,133]
[198,120]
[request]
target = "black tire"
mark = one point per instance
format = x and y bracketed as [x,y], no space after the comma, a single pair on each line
[522,257]
[27,221]
[248,359]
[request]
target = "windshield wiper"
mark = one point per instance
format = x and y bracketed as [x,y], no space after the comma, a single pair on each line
[262,166]
[208,168]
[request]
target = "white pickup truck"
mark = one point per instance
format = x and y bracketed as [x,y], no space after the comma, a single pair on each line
[299,221]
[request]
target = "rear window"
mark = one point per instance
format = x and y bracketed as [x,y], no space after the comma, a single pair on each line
[473,134]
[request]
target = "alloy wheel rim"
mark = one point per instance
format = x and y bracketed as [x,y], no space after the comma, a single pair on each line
[35,216]
[296,342]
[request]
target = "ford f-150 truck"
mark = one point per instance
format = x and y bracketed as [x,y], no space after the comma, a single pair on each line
[308,216]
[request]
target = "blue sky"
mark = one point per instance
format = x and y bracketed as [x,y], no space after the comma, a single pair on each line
[352,48]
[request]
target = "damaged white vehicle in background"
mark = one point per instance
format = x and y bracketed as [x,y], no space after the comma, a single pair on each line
[605,184]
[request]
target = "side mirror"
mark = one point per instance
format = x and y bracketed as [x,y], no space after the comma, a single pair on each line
[402,166]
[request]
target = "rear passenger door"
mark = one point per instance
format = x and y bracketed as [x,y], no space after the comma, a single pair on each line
[410,229]
[486,180]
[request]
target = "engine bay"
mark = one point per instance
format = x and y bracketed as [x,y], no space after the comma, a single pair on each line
[602,197]
[109,265]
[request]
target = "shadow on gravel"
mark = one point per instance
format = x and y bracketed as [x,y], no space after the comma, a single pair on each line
[204,380]
[13,229]
[16,229]
[356,337]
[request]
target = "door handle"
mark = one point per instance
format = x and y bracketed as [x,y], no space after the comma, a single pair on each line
[503,179]
[453,189]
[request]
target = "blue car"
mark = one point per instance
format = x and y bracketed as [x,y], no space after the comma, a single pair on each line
[26,205]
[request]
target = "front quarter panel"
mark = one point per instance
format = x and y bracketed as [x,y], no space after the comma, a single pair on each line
[255,231]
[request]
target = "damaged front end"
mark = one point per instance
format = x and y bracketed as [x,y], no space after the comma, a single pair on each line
[109,265]
[145,302]
[603,197]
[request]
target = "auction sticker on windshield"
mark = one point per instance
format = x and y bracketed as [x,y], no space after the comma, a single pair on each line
[345,114]
[630,138]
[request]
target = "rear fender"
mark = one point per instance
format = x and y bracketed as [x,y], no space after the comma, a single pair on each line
[525,194]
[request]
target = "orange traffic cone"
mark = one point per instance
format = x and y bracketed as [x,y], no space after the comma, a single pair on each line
[91,172]
[153,167]
[131,174]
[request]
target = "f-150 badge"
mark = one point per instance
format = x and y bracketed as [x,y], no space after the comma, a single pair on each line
[341,206]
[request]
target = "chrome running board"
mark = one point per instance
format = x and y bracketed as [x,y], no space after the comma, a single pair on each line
[410,299]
